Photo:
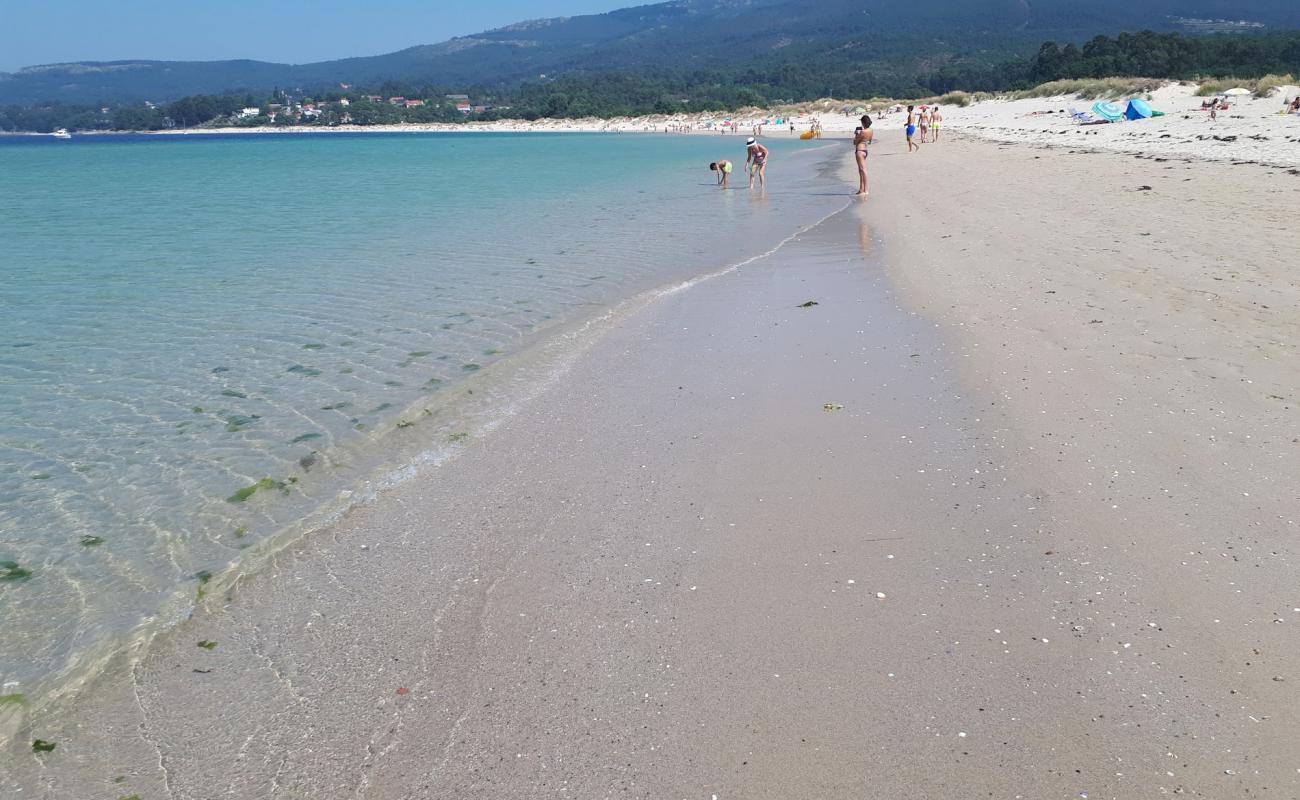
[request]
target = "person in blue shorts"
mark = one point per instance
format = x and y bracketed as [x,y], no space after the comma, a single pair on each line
[911,130]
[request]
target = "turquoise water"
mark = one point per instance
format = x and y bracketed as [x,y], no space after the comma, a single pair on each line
[206,340]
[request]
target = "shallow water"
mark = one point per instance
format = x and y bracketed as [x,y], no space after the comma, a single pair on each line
[206,339]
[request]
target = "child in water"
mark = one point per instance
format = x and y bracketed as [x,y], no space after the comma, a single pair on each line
[723,168]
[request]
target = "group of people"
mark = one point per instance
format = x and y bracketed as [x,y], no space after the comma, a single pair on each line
[927,121]
[755,164]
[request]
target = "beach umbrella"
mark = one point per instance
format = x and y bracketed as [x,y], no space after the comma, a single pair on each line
[1237,92]
[1108,111]
[1137,109]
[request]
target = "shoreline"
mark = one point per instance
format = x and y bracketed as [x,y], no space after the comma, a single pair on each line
[1252,130]
[1009,548]
[461,414]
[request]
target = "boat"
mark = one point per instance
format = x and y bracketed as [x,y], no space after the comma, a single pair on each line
[61,133]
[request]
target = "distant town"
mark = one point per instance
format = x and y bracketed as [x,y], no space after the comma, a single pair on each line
[340,107]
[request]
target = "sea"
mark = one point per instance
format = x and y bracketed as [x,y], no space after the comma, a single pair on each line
[211,346]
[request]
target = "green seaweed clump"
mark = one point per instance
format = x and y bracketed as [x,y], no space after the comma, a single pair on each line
[248,491]
[307,372]
[304,437]
[233,393]
[41,476]
[203,576]
[457,438]
[11,572]
[12,699]
[335,406]
[405,423]
[419,353]
[241,531]
[312,346]
[238,422]
[42,746]
[471,367]
[207,645]
[90,540]
[809,304]
[129,797]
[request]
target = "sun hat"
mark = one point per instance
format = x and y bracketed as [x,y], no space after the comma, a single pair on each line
[750,140]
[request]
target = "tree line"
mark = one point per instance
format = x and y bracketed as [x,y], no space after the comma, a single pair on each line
[866,68]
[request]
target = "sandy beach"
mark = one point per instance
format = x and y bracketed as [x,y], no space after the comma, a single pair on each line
[1252,129]
[1008,511]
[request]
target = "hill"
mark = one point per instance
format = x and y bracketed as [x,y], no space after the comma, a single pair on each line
[679,35]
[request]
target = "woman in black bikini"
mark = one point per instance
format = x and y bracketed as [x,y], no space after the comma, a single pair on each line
[861,139]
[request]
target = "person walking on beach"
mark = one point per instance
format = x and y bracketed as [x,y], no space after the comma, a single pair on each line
[861,139]
[723,168]
[756,162]
[925,124]
[936,119]
[911,130]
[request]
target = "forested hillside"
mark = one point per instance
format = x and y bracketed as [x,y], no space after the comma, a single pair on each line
[894,43]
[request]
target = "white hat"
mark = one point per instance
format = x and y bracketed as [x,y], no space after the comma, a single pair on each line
[750,140]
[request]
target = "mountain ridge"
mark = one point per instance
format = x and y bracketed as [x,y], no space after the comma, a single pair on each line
[672,35]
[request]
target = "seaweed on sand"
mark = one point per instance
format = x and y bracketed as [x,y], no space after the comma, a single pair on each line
[13,572]
[243,494]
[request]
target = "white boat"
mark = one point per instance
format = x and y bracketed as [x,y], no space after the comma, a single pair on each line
[61,133]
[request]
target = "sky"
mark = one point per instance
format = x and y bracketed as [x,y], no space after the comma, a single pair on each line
[292,31]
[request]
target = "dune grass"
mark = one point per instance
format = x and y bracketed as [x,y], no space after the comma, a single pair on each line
[1093,88]
[1261,87]
[1267,85]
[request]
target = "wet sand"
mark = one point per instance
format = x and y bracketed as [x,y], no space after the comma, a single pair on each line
[1010,512]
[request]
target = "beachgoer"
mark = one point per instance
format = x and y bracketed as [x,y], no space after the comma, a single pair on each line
[1214,110]
[911,130]
[924,121]
[1295,106]
[936,119]
[723,168]
[756,162]
[861,139]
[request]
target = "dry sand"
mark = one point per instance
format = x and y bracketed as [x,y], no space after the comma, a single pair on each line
[1011,512]
[1251,130]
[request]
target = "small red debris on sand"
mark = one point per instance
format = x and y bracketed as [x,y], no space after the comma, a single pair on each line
[403,690]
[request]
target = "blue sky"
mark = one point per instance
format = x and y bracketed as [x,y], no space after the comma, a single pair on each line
[48,31]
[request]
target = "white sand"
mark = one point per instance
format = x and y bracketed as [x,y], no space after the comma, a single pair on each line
[1251,130]
[1042,545]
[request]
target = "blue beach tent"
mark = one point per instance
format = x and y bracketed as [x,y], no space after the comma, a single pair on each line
[1108,111]
[1137,109]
